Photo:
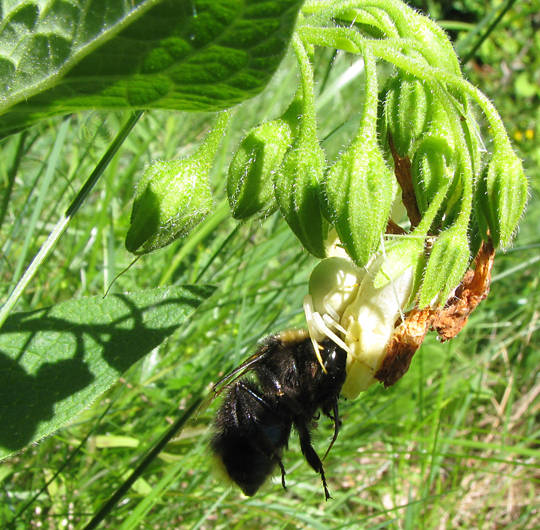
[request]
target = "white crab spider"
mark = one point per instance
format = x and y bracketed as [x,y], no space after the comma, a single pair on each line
[345,306]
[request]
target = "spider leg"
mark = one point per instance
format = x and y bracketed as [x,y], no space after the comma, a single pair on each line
[322,326]
[313,330]
[330,321]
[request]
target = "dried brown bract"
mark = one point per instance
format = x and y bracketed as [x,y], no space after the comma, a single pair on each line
[474,288]
[447,321]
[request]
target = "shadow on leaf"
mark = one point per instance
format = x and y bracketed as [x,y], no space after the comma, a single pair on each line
[54,362]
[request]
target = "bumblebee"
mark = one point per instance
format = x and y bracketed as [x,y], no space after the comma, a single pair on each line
[253,425]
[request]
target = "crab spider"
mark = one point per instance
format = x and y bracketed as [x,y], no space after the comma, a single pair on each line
[332,286]
[352,307]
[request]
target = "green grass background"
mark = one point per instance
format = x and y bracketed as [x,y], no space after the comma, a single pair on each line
[453,444]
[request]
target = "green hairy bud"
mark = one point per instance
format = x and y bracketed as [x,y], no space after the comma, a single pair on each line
[434,163]
[250,186]
[359,190]
[446,266]
[297,190]
[298,181]
[405,110]
[171,199]
[501,196]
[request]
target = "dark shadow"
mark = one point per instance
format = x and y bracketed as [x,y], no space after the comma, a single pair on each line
[28,399]
[144,222]
[33,383]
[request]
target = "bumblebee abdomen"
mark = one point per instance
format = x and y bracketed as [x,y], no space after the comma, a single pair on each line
[249,437]
[243,462]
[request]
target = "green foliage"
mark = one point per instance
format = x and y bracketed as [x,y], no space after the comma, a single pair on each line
[80,55]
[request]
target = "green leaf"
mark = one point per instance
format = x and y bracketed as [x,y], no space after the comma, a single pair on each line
[144,54]
[54,362]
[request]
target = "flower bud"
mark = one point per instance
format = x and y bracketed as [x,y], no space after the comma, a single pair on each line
[433,166]
[405,110]
[171,198]
[250,186]
[297,191]
[474,141]
[447,263]
[501,196]
[359,190]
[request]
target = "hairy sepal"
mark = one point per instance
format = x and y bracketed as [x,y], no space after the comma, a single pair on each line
[171,198]
[501,196]
[446,266]
[405,110]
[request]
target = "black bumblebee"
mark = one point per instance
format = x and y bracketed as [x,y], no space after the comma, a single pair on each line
[253,425]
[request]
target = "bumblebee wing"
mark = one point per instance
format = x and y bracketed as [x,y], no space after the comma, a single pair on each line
[238,372]
[228,380]
[266,349]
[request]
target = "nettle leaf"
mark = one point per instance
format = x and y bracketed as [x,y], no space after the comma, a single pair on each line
[205,55]
[55,362]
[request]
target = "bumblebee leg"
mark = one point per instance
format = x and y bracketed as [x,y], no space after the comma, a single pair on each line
[311,456]
[337,425]
[280,463]
[253,394]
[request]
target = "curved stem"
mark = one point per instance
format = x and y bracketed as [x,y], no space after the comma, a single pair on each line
[309,122]
[390,51]
[210,144]
[332,8]
[428,73]
[368,125]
